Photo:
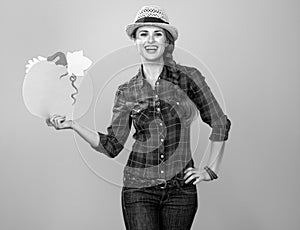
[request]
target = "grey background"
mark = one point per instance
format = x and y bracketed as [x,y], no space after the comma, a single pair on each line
[253,49]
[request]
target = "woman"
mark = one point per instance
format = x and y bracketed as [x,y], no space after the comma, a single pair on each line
[161,101]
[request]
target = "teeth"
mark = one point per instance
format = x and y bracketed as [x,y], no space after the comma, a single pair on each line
[151,48]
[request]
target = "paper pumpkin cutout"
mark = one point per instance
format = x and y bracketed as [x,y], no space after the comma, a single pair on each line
[57,85]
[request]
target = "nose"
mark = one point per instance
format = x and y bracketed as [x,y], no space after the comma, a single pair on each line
[150,39]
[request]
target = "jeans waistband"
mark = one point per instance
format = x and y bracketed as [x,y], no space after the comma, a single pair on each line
[175,182]
[159,183]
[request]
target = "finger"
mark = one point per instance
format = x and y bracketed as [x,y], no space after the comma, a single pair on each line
[52,118]
[58,121]
[198,180]
[55,117]
[188,169]
[191,178]
[61,120]
[196,174]
[197,177]
[189,173]
[48,122]
[61,123]
[51,121]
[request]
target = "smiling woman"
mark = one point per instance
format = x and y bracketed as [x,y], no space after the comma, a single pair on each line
[159,190]
[150,42]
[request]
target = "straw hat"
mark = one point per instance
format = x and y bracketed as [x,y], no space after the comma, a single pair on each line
[151,16]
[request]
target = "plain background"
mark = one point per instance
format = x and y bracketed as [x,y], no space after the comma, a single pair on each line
[253,50]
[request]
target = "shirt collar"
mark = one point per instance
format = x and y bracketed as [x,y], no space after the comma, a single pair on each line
[141,77]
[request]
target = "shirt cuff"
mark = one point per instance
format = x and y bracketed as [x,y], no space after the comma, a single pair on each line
[100,147]
[220,132]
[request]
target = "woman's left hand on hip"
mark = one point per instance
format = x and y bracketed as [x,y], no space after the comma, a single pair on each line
[196,174]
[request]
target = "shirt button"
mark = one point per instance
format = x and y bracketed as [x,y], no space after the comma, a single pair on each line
[177,103]
[156,96]
[161,139]
[160,124]
[158,109]
[157,83]
[162,171]
[162,156]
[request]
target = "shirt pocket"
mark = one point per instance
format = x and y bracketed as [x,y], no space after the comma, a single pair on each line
[174,97]
[180,105]
[175,108]
[140,110]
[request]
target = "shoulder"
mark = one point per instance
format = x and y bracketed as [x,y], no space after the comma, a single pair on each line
[127,87]
[121,89]
[185,68]
[191,72]
[123,86]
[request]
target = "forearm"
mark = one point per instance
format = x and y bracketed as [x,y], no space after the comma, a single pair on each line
[216,153]
[87,134]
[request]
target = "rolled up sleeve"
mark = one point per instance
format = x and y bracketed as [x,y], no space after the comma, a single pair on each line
[210,111]
[113,142]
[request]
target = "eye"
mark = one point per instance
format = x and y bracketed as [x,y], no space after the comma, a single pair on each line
[143,34]
[159,34]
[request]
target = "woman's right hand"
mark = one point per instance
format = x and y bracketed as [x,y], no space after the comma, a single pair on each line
[59,122]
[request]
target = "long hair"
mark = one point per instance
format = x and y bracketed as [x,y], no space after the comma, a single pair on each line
[168,53]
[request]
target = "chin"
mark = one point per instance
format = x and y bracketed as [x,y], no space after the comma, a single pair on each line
[157,56]
[152,58]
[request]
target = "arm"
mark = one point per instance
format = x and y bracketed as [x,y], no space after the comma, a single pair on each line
[111,143]
[212,114]
[59,123]
[215,157]
[87,134]
[210,111]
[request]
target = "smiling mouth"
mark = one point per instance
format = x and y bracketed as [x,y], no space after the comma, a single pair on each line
[151,48]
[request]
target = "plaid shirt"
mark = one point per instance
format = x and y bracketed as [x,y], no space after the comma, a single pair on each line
[162,119]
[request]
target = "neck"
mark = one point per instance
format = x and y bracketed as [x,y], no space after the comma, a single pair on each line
[152,70]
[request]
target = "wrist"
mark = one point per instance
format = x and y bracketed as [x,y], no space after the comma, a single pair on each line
[211,173]
[74,125]
[206,175]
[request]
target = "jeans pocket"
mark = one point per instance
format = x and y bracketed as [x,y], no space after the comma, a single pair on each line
[130,189]
[189,189]
[128,196]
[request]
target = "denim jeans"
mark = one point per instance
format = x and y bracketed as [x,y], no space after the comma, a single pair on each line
[159,207]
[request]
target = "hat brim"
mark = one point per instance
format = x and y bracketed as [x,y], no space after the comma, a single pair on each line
[131,27]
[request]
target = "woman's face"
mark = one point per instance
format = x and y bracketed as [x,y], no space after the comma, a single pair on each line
[150,42]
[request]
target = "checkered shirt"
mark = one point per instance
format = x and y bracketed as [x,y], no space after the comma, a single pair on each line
[162,118]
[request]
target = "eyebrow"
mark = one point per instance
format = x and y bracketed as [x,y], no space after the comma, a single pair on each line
[148,31]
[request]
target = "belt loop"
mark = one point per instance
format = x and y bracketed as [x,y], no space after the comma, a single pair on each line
[163,185]
[176,182]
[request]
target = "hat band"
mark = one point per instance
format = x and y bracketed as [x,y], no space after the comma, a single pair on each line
[151,19]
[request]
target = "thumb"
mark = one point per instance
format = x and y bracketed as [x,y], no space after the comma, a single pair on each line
[67,123]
